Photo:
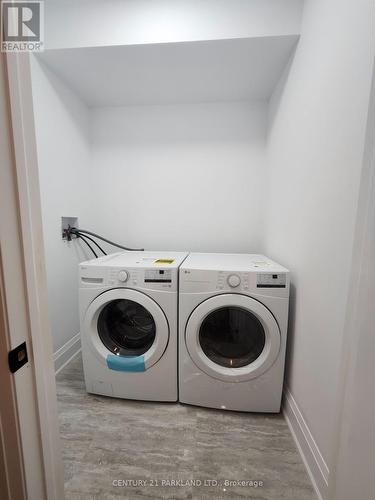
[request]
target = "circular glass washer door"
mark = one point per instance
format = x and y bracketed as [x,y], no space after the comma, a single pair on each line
[128,324]
[232,337]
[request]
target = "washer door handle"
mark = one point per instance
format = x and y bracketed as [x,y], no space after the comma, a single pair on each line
[126,363]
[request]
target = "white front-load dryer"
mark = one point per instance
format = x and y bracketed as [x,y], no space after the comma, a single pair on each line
[233,314]
[128,315]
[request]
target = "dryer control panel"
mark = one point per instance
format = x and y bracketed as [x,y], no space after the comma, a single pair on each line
[200,281]
[271,280]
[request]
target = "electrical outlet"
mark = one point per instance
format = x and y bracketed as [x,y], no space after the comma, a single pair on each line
[67,222]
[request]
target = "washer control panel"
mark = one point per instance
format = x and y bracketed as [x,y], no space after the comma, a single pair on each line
[158,276]
[161,278]
[124,277]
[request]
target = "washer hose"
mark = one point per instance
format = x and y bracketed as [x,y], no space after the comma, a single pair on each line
[79,235]
[88,244]
[75,230]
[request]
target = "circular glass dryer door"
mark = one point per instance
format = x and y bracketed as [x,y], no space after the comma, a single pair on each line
[232,337]
[128,324]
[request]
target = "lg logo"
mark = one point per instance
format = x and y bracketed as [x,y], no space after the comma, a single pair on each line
[22,26]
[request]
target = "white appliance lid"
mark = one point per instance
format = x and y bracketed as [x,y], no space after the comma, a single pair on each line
[231,262]
[140,259]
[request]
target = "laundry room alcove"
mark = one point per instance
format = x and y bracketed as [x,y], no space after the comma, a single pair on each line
[160,145]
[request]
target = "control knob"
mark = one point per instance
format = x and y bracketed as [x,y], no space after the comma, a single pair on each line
[233,280]
[123,276]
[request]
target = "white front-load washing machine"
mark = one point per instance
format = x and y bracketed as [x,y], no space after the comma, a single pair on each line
[233,314]
[128,315]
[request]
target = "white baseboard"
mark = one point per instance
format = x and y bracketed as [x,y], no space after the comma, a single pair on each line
[67,352]
[310,453]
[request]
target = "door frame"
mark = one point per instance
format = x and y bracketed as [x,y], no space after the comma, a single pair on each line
[37,405]
[12,474]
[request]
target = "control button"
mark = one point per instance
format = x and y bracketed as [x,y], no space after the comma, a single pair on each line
[234,280]
[123,276]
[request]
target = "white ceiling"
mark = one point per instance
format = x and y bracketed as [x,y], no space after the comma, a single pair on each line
[219,70]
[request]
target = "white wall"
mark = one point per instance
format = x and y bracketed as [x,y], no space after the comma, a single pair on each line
[353,474]
[84,23]
[62,128]
[315,148]
[182,177]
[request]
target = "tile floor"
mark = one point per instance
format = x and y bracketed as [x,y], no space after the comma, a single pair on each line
[153,444]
